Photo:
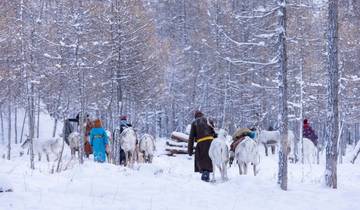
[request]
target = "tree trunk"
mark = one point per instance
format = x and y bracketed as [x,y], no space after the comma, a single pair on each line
[9,131]
[22,127]
[58,169]
[54,128]
[15,126]
[38,117]
[282,176]
[31,106]
[82,118]
[332,131]
[355,153]
[2,127]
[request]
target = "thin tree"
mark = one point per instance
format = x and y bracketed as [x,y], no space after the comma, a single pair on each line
[332,129]
[283,117]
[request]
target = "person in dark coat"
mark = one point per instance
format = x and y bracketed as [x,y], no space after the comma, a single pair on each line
[88,127]
[77,118]
[309,133]
[202,132]
[124,123]
[68,129]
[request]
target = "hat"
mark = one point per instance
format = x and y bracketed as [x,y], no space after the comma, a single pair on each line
[198,114]
[305,121]
[97,123]
[123,117]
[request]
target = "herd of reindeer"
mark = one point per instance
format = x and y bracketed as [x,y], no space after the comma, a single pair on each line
[133,148]
[143,148]
[247,151]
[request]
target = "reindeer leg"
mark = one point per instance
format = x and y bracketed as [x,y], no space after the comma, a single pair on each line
[266,149]
[240,171]
[213,173]
[254,168]
[222,171]
[126,163]
[39,156]
[225,172]
[273,149]
[150,158]
[47,157]
[245,168]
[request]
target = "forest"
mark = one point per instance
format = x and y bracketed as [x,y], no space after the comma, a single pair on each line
[248,63]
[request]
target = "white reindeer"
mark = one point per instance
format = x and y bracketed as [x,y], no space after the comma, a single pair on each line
[74,142]
[219,154]
[310,151]
[246,152]
[273,138]
[147,147]
[44,145]
[128,144]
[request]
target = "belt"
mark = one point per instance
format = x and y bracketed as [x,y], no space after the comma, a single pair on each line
[206,138]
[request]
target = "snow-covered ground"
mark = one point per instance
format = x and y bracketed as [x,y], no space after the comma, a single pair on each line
[169,183]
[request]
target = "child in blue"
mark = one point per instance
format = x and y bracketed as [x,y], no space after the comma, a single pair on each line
[99,142]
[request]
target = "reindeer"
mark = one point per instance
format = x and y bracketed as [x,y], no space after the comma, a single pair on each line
[44,145]
[147,147]
[219,154]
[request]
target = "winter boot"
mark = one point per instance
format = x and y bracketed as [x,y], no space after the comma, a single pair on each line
[205,176]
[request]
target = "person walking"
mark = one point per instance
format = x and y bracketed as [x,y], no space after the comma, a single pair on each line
[202,131]
[99,141]
[308,132]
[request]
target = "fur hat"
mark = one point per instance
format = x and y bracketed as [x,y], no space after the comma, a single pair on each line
[305,121]
[123,117]
[97,123]
[198,114]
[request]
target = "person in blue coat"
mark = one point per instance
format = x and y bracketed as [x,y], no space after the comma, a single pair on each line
[99,141]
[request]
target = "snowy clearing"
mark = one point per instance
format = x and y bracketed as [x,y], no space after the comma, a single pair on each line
[169,183]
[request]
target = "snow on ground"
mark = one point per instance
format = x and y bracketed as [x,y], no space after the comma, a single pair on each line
[169,183]
[4,184]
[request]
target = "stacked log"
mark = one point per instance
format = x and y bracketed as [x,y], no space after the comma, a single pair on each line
[177,144]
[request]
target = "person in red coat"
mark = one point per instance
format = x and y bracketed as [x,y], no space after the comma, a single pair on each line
[309,133]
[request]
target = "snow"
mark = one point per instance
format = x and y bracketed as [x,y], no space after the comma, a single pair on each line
[187,48]
[168,183]
[182,135]
[268,35]
[256,85]
[51,57]
[4,184]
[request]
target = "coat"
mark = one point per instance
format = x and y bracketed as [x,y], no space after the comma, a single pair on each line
[124,124]
[203,133]
[99,141]
[68,128]
[309,133]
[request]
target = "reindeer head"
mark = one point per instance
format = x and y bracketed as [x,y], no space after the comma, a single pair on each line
[222,133]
